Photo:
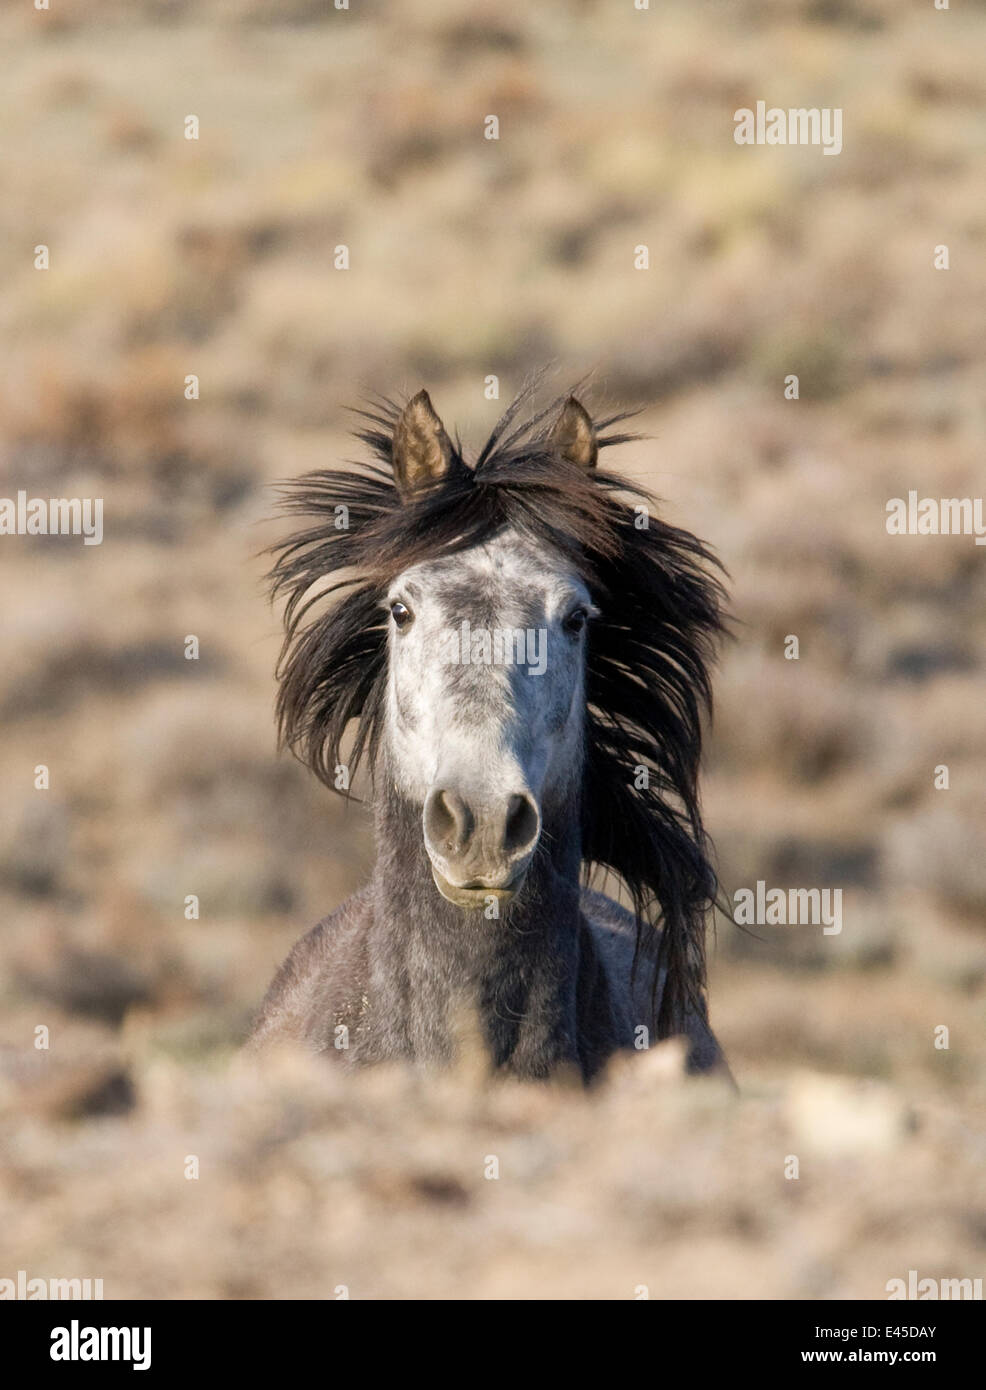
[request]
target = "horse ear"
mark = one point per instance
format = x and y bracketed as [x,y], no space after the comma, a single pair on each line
[573,436]
[422,451]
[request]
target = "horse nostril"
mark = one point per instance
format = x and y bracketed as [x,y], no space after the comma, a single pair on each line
[448,820]
[522,826]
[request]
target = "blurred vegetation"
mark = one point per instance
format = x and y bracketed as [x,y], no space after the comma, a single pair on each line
[470,257]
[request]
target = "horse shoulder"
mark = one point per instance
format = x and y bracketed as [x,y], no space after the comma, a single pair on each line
[614,933]
[320,984]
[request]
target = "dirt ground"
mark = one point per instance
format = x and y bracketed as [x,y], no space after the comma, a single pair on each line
[139,1146]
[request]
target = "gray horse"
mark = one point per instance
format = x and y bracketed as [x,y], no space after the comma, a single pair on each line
[524,648]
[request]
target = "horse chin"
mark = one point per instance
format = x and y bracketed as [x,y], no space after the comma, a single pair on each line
[473,899]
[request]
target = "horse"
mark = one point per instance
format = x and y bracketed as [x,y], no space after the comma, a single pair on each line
[521,652]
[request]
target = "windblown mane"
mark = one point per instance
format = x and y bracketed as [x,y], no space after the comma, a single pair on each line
[649,651]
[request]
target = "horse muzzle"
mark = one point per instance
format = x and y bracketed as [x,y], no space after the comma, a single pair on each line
[479,849]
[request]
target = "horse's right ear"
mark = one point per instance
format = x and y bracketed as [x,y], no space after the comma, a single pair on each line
[422,452]
[573,435]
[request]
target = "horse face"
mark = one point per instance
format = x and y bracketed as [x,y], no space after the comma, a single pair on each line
[486,706]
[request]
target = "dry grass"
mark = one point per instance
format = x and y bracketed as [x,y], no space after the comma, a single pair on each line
[469,257]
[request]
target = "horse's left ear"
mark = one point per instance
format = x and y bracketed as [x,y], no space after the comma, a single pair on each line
[422,452]
[573,436]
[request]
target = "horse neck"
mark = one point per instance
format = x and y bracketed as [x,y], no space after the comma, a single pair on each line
[432,961]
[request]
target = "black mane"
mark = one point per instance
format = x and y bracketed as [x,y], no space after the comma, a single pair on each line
[649,651]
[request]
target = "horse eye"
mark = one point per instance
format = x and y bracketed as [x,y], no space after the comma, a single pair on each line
[401,614]
[576,620]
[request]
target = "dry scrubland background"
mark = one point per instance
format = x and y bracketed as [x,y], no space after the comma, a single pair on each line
[469,257]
